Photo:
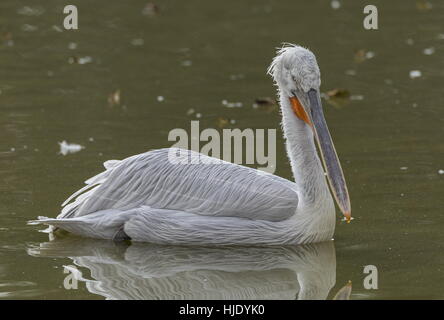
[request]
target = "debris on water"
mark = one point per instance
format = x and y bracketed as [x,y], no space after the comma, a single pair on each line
[29,28]
[440,171]
[357,97]
[160,98]
[186,63]
[415,74]
[137,42]
[335,4]
[66,148]
[338,93]
[31,11]
[350,72]
[222,122]
[6,37]
[235,77]
[85,60]
[190,111]
[440,36]
[198,115]
[91,139]
[80,60]
[265,101]
[72,60]
[429,51]
[369,55]
[150,9]
[57,28]
[423,5]
[12,149]
[339,98]
[232,104]
[72,46]
[114,98]
[362,55]
[404,168]
[410,41]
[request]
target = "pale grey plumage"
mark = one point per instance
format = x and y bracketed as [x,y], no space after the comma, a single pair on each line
[151,199]
[160,202]
[210,187]
[147,271]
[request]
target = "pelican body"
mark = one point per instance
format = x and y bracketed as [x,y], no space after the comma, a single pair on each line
[207,201]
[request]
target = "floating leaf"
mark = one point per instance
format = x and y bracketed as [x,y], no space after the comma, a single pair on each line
[265,101]
[338,93]
[338,98]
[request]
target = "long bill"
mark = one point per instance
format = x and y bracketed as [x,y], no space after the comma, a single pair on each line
[328,154]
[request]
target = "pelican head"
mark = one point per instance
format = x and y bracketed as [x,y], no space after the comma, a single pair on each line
[297,75]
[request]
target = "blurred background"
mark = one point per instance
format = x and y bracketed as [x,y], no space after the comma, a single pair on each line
[135,70]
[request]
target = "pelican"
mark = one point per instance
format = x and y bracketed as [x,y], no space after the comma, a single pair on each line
[148,197]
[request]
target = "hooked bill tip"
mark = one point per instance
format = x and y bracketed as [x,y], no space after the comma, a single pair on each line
[347,216]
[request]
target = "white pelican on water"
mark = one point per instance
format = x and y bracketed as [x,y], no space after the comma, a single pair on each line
[149,198]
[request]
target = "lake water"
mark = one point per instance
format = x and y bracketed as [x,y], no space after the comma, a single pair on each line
[179,64]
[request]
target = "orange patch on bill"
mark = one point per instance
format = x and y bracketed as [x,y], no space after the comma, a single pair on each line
[299,110]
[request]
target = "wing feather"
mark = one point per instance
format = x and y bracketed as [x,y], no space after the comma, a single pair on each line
[193,183]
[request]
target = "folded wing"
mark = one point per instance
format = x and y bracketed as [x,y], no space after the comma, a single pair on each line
[184,180]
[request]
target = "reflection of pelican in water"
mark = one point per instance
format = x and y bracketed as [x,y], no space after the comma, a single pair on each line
[146,271]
